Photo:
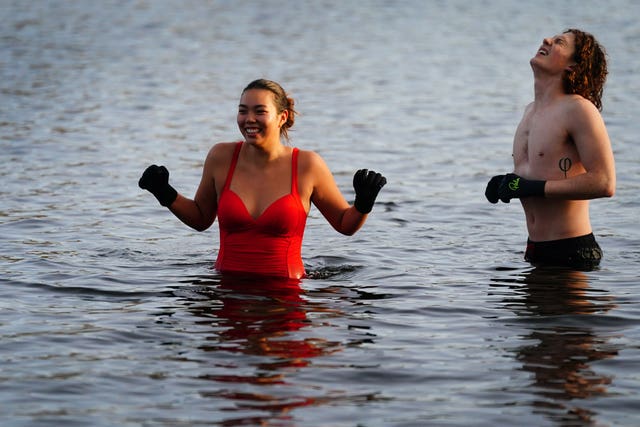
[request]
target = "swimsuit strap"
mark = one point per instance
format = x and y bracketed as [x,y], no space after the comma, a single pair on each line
[232,166]
[294,169]
[294,172]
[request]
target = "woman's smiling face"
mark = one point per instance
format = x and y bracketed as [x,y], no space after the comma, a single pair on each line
[258,118]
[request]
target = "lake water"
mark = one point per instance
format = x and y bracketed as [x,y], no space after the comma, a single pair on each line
[111,313]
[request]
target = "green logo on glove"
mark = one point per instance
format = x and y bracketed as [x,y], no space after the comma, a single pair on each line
[514,185]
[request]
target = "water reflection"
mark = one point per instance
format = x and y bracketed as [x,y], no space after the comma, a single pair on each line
[559,307]
[265,323]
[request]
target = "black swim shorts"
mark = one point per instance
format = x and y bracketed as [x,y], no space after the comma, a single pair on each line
[577,252]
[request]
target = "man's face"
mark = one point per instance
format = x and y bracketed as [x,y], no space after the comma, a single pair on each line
[556,53]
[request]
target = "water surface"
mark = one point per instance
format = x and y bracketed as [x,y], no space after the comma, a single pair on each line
[111,314]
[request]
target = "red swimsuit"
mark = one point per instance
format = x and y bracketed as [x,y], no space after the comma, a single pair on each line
[269,245]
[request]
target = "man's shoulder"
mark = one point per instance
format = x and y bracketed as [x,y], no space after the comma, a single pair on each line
[575,103]
[567,109]
[579,112]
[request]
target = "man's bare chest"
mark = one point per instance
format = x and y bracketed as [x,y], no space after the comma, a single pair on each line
[541,134]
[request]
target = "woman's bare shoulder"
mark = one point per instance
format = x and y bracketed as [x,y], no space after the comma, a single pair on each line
[310,159]
[221,152]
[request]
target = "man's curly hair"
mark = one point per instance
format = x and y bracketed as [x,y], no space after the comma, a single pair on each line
[588,76]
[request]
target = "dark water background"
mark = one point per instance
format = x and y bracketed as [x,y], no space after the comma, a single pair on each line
[110,313]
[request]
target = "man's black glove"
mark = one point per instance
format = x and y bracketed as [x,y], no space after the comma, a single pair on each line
[367,185]
[155,179]
[491,193]
[512,186]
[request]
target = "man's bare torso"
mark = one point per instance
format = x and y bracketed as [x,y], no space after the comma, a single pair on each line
[544,150]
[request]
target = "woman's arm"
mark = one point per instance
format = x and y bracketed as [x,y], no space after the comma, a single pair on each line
[326,196]
[200,212]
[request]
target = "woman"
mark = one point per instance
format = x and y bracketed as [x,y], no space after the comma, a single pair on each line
[261,190]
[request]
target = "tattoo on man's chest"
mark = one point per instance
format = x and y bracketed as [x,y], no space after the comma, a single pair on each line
[564,164]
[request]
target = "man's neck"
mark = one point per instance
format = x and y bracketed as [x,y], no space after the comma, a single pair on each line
[547,87]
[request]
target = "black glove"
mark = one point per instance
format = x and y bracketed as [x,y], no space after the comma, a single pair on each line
[367,185]
[155,179]
[491,193]
[512,186]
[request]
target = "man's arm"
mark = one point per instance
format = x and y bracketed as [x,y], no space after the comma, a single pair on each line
[589,134]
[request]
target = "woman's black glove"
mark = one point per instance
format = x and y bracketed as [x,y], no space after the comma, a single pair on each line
[155,179]
[367,185]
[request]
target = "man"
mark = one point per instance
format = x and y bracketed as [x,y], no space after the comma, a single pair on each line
[561,152]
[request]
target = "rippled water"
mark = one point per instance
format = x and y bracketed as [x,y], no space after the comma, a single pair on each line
[111,313]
